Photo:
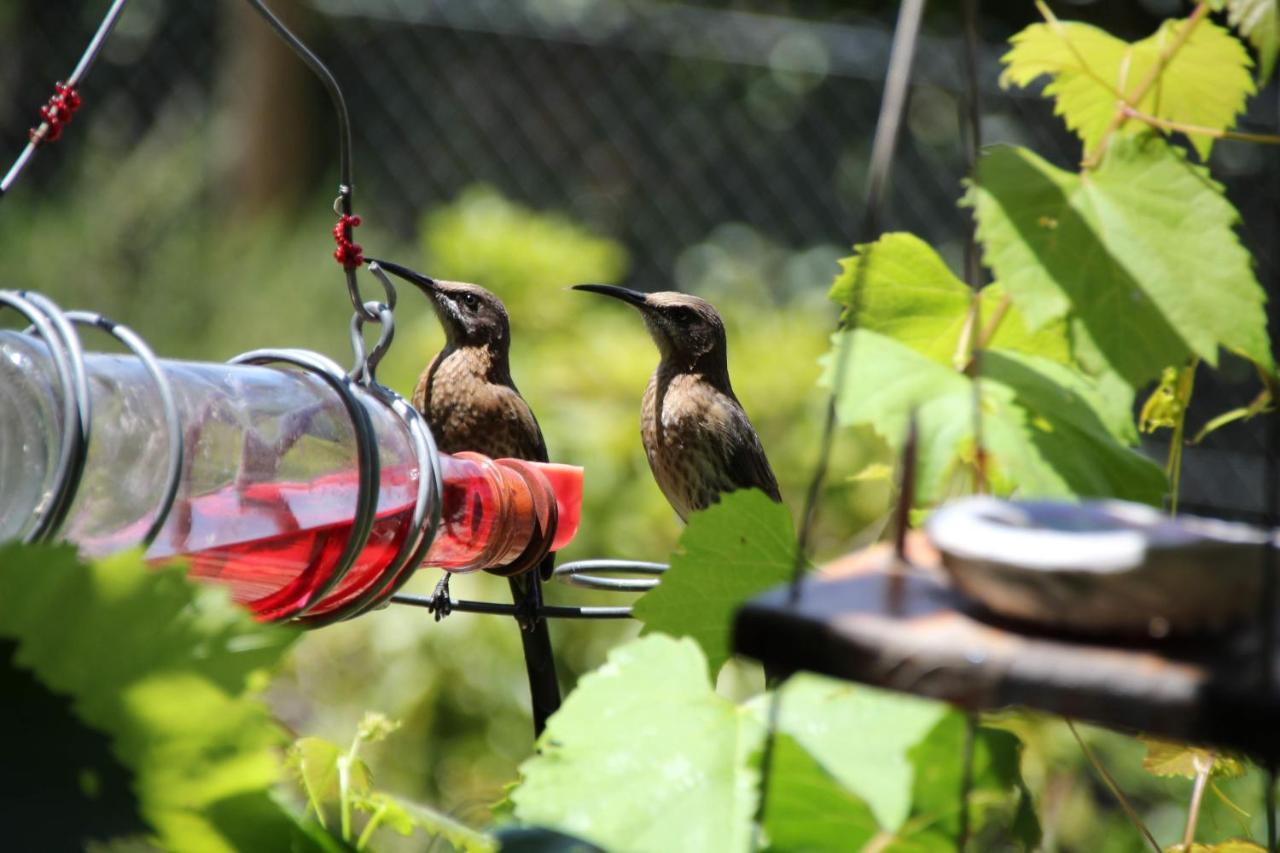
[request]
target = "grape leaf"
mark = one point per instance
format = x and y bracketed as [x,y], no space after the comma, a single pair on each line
[1041,422]
[808,808]
[1168,758]
[1205,83]
[1141,253]
[162,666]
[821,713]
[403,817]
[1259,22]
[729,552]
[906,291]
[644,755]
[998,797]
[314,761]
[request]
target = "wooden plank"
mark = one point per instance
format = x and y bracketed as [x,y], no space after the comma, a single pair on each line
[867,619]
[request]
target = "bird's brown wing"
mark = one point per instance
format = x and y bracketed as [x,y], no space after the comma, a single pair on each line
[525,436]
[748,465]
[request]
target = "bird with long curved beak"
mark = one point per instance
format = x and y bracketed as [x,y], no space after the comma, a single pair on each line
[699,441]
[468,398]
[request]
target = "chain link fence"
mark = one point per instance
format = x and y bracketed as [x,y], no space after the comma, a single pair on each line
[669,126]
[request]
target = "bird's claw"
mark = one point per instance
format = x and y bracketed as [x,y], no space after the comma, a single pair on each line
[441,604]
[529,607]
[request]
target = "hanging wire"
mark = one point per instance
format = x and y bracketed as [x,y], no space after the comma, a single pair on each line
[892,106]
[42,133]
[1267,616]
[973,277]
[348,253]
[966,778]
[972,137]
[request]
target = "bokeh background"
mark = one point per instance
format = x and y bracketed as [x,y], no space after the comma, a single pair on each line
[713,147]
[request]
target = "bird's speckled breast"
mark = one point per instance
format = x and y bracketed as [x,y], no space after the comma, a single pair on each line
[685,424]
[466,411]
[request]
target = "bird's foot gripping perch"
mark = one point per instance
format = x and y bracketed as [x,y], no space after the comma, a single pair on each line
[440,603]
[527,597]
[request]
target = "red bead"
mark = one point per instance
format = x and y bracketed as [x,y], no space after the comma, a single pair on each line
[348,253]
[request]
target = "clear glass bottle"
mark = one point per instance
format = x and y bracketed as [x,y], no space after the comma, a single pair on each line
[267,493]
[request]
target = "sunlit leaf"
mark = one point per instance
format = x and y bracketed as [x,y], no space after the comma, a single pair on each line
[1169,758]
[645,756]
[823,715]
[404,817]
[314,762]
[1233,845]
[1042,425]
[809,810]
[1259,22]
[905,291]
[998,799]
[163,667]
[1141,255]
[730,551]
[1205,83]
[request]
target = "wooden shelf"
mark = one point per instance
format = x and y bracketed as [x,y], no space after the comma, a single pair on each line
[866,618]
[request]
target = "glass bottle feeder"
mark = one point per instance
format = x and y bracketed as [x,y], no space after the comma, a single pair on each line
[309,493]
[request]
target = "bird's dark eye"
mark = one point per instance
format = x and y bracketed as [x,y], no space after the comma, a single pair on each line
[470,300]
[684,314]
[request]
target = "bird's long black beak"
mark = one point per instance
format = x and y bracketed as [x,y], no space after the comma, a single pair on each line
[427,284]
[635,297]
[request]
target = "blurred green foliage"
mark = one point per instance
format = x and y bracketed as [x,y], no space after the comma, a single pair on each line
[141,233]
[139,230]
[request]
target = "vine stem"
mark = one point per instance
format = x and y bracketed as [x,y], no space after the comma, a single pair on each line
[1166,56]
[363,841]
[1173,467]
[993,325]
[1197,796]
[1199,130]
[1114,788]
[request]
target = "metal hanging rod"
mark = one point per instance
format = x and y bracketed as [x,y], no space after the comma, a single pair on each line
[47,130]
[547,611]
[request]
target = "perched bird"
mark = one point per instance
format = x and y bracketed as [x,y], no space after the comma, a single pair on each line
[698,439]
[467,397]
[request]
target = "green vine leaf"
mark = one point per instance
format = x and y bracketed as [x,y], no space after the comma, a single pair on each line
[906,291]
[1140,254]
[1206,82]
[1169,758]
[821,712]
[314,762]
[808,807]
[1259,22]
[1044,425]
[165,668]
[998,799]
[644,755]
[1232,845]
[403,817]
[728,553]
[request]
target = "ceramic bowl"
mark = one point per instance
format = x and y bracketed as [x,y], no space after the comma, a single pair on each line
[1101,567]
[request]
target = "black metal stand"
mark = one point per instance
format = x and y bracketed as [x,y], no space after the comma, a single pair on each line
[532,613]
[539,660]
